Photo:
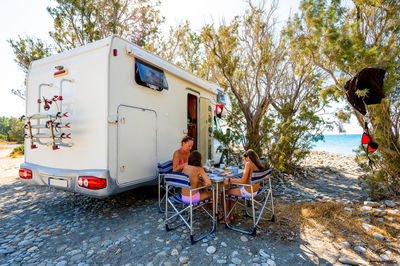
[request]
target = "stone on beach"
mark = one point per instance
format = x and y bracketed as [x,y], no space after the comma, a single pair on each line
[211,249]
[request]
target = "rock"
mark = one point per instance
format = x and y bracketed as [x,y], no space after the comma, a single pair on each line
[77,257]
[221,261]
[345,244]
[106,243]
[271,262]
[224,244]
[263,253]
[243,239]
[32,249]
[184,260]
[367,226]
[211,249]
[327,233]
[378,236]
[390,203]
[61,248]
[174,252]
[236,261]
[25,243]
[365,208]
[384,257]
[161,254]
[371,204]
[345,260]
[62,263]
[359,249]
[95,239]
[235,253]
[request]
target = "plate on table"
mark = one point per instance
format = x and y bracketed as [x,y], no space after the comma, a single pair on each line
[222,174]
[217,171]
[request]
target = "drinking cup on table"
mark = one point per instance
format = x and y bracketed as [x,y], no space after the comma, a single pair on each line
[222,165]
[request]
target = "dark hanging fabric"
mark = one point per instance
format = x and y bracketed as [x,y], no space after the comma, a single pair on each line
[368,78]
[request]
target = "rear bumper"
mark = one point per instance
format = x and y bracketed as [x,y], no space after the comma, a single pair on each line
[41,175]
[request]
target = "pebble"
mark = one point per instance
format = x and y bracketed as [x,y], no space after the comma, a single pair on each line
[221,261]
[345,244]
[95,239]
[384,257]
[378,236]
[345,260]
[371,203]
[243,239]
[224,244]
[367,226]
[359,249]
[25,243]
[32,249]
[263,253]
[62,263]
[77,257]
[211,249]
[390,203]
[174,252]
[236,261]
[106,243]
[184,260]
[365,208]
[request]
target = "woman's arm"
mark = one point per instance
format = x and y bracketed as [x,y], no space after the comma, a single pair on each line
[205,177]
[175,163]
[245,175]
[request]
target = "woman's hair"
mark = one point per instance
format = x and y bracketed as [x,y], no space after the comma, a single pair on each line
[254,158]
[186,139]
[195,158]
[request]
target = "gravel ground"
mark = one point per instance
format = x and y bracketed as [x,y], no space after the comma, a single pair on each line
[45,226]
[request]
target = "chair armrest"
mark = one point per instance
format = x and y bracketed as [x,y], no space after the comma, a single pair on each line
[196,189]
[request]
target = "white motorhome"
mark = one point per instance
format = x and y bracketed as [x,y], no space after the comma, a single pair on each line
[100,117]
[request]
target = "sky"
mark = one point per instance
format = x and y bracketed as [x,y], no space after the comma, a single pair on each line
[30,18]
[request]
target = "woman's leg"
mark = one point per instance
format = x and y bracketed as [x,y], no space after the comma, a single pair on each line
[233,191]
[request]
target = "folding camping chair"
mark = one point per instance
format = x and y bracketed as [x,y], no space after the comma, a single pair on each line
[162,170]
[258,202]
[179,180]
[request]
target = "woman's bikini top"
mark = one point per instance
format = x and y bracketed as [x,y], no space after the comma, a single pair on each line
[182,161]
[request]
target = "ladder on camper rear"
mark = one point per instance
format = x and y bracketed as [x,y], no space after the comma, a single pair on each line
[49,126]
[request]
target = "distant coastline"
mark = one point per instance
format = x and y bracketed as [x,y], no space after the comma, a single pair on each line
[343,144]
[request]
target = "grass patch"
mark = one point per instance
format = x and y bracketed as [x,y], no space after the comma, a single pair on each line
[17,151]
[343,222]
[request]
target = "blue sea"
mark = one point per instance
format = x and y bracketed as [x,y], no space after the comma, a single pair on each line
[339,144]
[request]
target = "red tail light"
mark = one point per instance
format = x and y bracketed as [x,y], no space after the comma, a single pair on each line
[25,173]
[92,182]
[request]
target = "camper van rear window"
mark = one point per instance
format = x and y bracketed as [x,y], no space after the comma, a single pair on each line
[149,76]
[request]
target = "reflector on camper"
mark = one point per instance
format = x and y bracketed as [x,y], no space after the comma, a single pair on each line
[60,73]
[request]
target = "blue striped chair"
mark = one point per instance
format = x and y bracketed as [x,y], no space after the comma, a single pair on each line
[162,170]
[258,202]
[180,180]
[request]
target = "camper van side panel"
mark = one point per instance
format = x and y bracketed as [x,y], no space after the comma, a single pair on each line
[170,115]
[85,100]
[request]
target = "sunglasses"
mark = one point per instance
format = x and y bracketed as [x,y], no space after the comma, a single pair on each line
[366,139]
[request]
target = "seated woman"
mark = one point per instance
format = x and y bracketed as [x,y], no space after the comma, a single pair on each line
[181,156]
[193,169]
[251,163]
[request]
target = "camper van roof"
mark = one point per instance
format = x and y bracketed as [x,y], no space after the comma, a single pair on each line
[135,51]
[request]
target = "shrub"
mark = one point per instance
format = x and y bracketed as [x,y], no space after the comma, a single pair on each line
[17,151]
